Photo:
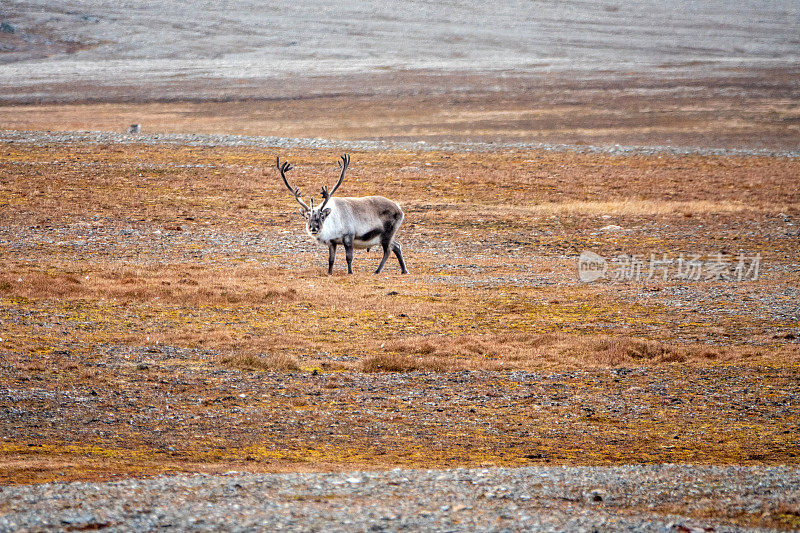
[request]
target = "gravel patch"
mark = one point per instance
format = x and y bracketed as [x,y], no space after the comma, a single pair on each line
[196,139]
[628,498]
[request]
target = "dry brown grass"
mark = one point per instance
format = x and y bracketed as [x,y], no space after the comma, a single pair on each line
[230,302]
[270,362]
[133,272]
[248,311]
[637,207]
[521,351]
[185,286]
[405,363]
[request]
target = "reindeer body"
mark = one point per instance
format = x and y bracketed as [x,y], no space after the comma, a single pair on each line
[352,222]
[356,217]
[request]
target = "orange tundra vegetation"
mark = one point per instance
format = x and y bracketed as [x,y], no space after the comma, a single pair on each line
[162,310]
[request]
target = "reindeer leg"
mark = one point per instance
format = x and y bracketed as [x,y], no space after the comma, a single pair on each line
[347,240]
[399,253]
[331,256]
[385,246]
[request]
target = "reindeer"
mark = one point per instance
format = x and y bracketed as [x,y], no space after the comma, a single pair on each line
[353,222]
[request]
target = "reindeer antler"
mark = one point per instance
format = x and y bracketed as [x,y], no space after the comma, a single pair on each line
[284,168]
[344,163]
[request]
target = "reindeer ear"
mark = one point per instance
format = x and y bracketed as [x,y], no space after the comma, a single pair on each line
[303,213]
[326,211]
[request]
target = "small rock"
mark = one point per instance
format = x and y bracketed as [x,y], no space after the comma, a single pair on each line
[595,496]
[612,228]
[86,519]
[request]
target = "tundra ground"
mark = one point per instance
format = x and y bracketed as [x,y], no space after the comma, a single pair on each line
[162,311]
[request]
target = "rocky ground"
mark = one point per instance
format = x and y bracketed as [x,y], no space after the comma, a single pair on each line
[162,313]
[96,45]
[631,498]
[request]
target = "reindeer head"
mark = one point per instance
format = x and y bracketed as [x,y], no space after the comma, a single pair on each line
[315,216]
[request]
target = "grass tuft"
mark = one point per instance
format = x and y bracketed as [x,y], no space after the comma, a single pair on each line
[404,363]
[264,362]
